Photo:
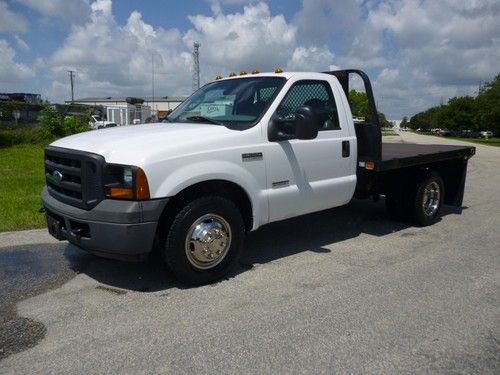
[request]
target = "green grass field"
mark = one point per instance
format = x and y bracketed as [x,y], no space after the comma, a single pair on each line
[493,141]
[21,182]
[388,132]
[490,141]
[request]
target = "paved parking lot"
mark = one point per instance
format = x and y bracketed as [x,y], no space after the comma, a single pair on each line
[345,290]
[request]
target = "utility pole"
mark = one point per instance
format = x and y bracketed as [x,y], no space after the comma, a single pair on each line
[153,81]
[196,66]
[71,74]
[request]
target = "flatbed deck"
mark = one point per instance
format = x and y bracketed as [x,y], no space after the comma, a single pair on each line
[401,155]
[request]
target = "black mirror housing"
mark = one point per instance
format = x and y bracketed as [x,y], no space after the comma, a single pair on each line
[306,123]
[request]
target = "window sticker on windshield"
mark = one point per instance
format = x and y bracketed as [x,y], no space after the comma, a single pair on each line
[216,109]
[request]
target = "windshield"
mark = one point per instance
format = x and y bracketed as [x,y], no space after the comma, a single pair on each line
[235,103]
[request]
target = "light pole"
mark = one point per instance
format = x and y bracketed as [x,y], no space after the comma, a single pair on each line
[153,80]
[196,65]
[71,74]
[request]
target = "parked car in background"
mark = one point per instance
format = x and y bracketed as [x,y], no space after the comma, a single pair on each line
[96,123]
[486,133]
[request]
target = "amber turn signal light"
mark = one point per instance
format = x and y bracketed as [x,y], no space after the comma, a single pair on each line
[120,193]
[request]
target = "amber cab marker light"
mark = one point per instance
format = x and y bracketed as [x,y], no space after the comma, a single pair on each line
[217,77]
[255,71]
[232,74]
[141,185]
[278,70]
[243,73]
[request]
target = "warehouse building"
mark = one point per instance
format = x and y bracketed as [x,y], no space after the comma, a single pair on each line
[160,106]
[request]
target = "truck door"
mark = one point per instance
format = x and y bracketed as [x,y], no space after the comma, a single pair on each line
[310,175]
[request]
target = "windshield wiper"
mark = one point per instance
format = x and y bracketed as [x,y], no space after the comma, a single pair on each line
[203,119]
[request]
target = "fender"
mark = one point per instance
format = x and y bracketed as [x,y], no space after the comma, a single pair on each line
[191,174]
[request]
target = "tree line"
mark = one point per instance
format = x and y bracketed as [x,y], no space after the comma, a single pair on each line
[359,108]
[463,112]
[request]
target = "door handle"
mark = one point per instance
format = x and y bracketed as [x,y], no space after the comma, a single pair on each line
[346,149]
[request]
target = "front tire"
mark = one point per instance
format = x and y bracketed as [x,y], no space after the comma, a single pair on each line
[205,240]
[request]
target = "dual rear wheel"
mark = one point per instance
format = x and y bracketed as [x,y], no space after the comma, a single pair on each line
[419,203]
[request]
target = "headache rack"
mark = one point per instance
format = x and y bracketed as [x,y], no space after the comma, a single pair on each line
[368,132]
[74,177]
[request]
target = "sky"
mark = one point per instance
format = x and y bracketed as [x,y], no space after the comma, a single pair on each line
[418,53]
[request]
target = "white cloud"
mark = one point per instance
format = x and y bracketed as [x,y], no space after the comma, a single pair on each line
[216,5]
[75,11]
[311,59]
[110,59]
[245,40]
[436,49]
[21,44]
[416,51]
[11,22]
[12,72]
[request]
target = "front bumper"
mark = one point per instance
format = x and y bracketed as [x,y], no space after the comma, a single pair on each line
[113,228]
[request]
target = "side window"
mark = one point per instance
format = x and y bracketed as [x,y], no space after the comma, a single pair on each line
[316,94]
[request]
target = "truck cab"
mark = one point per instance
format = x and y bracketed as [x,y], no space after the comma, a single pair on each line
[239,153]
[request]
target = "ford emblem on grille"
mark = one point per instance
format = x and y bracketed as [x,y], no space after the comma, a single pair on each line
[57,175]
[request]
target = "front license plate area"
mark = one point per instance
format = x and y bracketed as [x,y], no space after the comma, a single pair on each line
[54,227]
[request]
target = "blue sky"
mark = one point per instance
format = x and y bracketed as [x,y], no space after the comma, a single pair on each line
[417,52]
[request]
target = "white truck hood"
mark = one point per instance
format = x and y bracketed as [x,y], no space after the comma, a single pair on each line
[136,144]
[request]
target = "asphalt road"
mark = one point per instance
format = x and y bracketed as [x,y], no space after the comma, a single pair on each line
[342,291]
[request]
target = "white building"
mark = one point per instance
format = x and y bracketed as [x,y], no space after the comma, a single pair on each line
[395,123]
[159,106]
[128,114]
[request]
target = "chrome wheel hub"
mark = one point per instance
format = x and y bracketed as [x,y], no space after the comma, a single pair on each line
[208,241]
[430,201]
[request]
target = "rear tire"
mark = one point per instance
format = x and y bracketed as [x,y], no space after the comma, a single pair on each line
[205,240]
[428,199]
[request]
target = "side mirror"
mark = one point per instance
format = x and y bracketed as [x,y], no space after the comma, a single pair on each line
[304,125]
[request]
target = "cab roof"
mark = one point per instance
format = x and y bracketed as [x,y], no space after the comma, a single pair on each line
[286,75]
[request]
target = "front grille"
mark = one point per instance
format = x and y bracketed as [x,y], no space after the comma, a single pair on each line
[74,177]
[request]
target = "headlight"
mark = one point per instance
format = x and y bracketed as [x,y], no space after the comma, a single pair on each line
[125,182]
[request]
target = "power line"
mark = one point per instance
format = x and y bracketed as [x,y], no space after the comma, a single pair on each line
[71,75]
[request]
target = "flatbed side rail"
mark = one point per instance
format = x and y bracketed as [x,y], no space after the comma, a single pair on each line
[421,158]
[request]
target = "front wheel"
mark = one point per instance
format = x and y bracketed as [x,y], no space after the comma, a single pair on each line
[428,199]
[205,240]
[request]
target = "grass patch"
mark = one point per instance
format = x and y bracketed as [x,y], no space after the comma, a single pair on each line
[24,135]
[388,131]
[21,182]
[492,141]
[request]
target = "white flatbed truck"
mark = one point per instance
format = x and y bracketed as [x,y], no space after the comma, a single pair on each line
[240,153]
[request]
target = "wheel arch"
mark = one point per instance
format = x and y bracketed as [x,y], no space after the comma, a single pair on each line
[218,187]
